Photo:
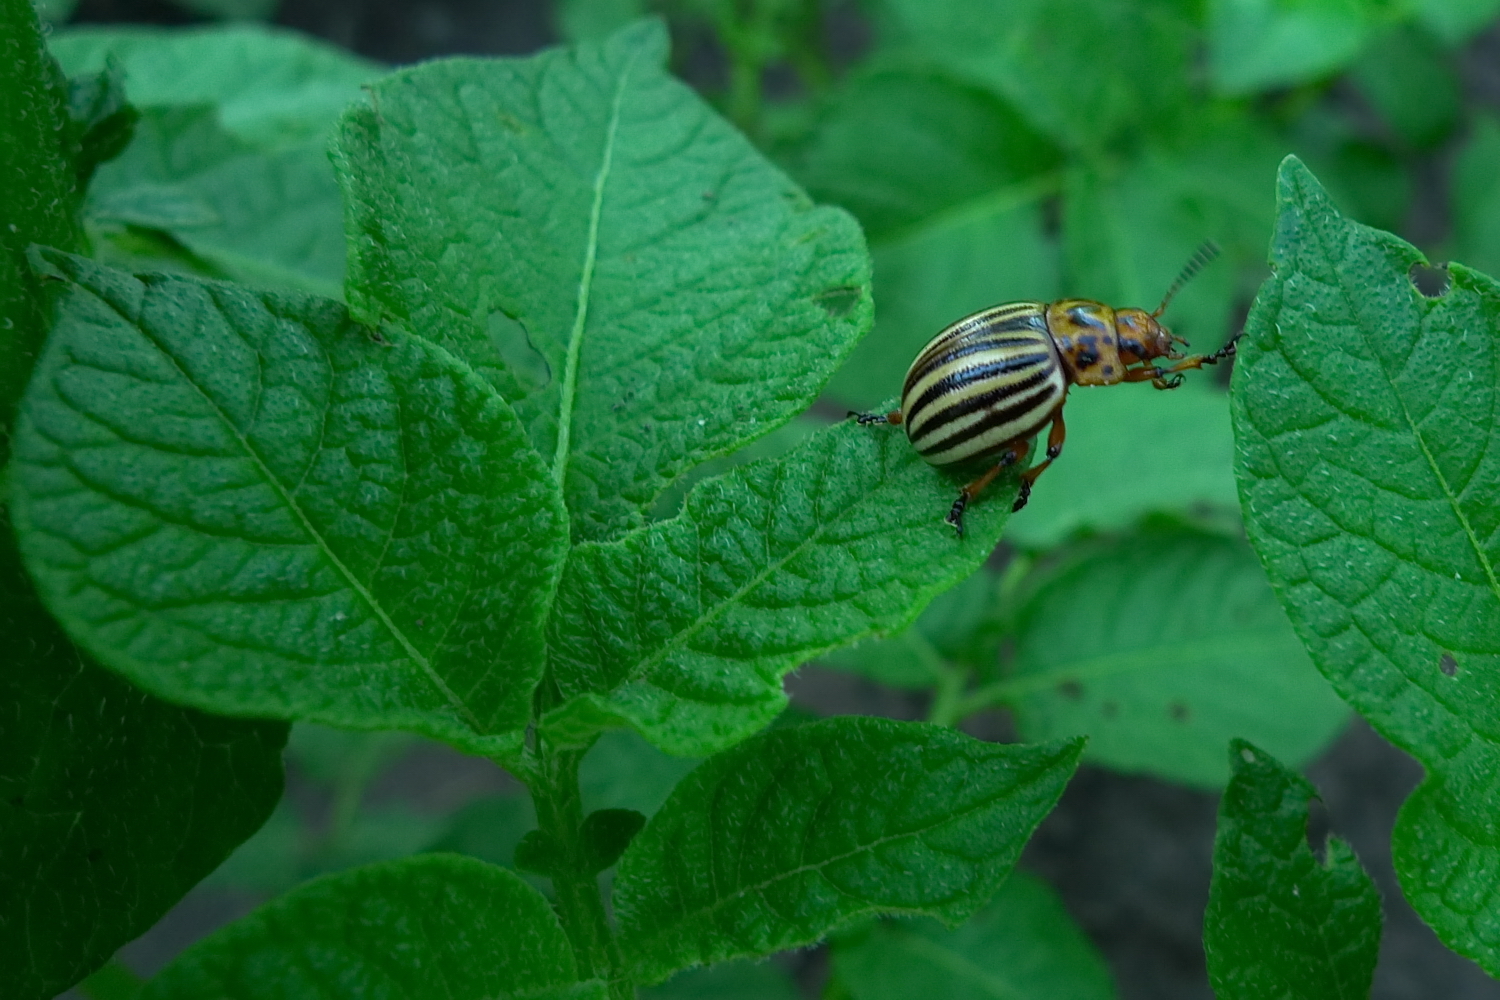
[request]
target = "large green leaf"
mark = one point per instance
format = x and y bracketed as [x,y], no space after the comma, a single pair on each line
[1083,71]
[1281,923]
[626,269]
[684,629]
[1022,946]
[1366,419]
[272,86]
[112,804]
[247,503]
[434,925]
[1476,198]
[778,841]
[1162,646]
[1260,44]
[264,218]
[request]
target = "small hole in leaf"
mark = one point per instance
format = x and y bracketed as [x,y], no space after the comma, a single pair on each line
[838,302]
[1432,282]
[525,363]
[1448,665]
[1319,827]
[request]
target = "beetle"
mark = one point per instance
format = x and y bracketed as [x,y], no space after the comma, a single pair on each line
[986,385]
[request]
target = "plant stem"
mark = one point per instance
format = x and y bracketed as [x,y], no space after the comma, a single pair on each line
[559,813]
[947,704]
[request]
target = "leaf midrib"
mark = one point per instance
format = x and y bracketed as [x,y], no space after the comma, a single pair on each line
[344,571]
[586,282]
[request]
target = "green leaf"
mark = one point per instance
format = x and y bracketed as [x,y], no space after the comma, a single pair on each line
[273,87]
[727,981]
[102,122]
[898,144]
[1365,416]
[245,502]
[1476,198]
[264,218]
[1059,61]
[683,630]
[1262,44]
[38,183]
[1413,82]
[1022,945]
[626,269]
[1161,646]
[112,804]
[1282,923]
[1104,482]
[457,926]
[800,830]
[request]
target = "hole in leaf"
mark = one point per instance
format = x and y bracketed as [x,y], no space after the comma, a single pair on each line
[1448,665]
[1433,282]
[838,302]
[1318,829]
[521,357]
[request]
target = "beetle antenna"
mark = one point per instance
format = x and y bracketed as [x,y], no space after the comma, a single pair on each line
[1201,258]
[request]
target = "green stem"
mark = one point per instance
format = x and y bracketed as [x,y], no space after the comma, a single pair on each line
[947,704]
[744,105]
[559,813]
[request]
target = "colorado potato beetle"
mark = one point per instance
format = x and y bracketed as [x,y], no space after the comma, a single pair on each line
[986,385]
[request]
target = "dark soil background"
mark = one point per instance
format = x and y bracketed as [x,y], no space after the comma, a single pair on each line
[1130,855]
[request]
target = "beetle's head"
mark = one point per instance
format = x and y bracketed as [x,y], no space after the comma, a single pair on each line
[1143,338]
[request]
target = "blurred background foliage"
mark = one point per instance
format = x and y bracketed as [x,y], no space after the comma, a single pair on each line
[993,150]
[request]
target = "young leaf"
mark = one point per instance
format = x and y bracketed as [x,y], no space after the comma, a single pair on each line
[245,502]
[273,87]
[433,924]
[1022,945]
[38,183]
[1366,419]
[1476,198]
[774,843]
[1282,924]
[112,804]
[1161,647]
[683,630]
[605,835]
[626,269]
[1261,44]
[264,218]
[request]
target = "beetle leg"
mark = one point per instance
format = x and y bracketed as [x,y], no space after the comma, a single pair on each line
[1014,452]
[1055,439]
[894,417]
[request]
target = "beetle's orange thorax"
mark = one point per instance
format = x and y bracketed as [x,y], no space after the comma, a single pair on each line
[1087,341]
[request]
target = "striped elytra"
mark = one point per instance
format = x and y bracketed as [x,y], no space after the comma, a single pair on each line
[982,383]
[985,386]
